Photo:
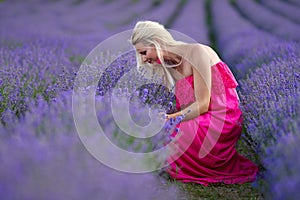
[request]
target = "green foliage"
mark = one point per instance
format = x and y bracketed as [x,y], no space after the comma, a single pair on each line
[209,22]
[77,2]
[219,191]
[156,3]
[232,1]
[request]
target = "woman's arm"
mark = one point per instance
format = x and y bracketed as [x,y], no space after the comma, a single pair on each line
[202,84]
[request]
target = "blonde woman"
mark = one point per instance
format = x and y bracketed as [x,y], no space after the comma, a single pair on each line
[205,89]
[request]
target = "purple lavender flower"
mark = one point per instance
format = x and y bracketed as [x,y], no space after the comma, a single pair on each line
[45,143]
[267,20]
[283,8]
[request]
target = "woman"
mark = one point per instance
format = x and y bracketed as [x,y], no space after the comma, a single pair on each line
[205,89]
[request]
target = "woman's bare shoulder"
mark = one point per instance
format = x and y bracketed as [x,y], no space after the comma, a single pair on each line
[207,51]
[196,48]
[197,52]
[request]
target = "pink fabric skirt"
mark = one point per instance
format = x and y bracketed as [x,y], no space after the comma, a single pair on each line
[203,150]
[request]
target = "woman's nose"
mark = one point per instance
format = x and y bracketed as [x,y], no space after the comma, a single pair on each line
[144,58]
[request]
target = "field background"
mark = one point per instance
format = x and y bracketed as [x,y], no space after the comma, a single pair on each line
[42,45]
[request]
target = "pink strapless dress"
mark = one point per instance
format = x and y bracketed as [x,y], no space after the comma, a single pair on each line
[203,151]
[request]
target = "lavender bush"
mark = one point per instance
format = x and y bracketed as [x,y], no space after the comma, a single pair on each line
[264,54]
[267,20]
[122,80]
[46,135]
[283,172]
[40,152]
[150,91]
[294,2]
[65,19]
[162,13]
[43,158]
[283,8]
[29,69]
[270,97]
[267,69]
[269,94]
[191,21]
[235,36]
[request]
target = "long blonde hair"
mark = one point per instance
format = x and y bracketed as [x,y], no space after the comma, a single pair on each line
[153,33]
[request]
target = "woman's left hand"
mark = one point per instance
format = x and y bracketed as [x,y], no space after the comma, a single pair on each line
[172,115]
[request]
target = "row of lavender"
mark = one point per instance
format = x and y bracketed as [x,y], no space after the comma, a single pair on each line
[39,137]
[40,152]
[284,9]
[43,158]
[267,68]
[269,20]
[57,44]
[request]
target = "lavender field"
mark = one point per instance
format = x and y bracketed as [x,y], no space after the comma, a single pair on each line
[43,44]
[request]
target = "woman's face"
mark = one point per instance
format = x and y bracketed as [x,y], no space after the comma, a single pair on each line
[148,53]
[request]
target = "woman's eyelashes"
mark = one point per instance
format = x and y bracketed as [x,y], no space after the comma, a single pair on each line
[143,52]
